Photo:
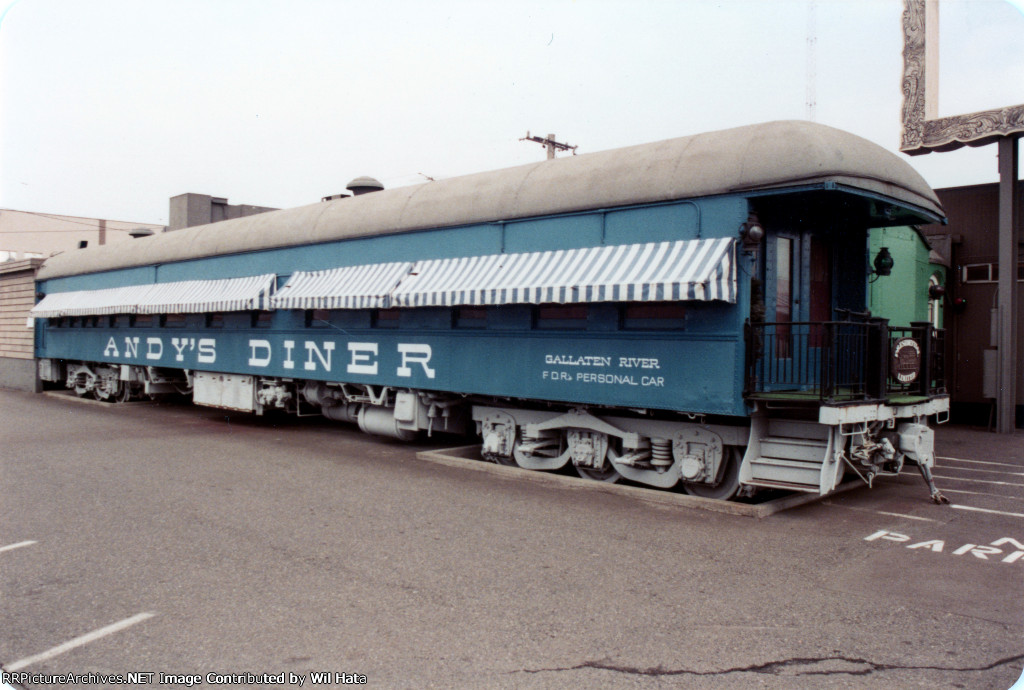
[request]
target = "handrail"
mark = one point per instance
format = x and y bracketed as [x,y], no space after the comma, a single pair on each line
[833,362]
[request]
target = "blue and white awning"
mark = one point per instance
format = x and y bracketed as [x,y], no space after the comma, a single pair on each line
[653,272]
[658,271]
[87,302]
[198,296]
[350,287]
[182,297]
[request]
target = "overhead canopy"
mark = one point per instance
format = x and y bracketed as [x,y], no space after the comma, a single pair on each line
[656,271]
[183,297]
[350,287]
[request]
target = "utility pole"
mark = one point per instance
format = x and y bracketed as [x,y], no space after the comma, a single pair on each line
[550,144]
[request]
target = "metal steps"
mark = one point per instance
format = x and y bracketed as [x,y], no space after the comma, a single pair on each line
[790,454]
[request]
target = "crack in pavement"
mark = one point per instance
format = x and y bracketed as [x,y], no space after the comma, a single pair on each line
[776,667]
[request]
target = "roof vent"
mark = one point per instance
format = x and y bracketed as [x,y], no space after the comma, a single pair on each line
[364,185]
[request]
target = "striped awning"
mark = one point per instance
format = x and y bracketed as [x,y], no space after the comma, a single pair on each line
[350,287]
[653,272]
[182,297]
[198,296]
[88,302]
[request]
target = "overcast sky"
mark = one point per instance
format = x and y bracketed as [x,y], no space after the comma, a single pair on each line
[110,107]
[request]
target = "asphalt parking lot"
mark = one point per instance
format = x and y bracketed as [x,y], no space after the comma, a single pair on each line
[203,547]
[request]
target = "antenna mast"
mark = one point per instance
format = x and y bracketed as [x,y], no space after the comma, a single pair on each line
[550,144]
[812,60]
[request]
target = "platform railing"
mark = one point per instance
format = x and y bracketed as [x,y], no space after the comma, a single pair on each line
[839,361]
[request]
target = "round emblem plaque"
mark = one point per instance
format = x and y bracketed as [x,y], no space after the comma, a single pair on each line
[906,360]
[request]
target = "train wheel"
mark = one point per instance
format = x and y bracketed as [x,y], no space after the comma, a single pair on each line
[100,394]
[607,471]
[81,386]
[730,483]
[124,393]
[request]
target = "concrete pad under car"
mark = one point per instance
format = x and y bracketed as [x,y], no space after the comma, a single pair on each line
[469,457]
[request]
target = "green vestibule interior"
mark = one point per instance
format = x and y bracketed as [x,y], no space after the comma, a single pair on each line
[903,297]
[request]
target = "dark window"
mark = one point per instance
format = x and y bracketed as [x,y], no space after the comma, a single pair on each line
[558,316]
[471,317]
[261,319]
[783,293]
[386,318]
[173,320]
[142,320]
[821,288]
[215,321]
[318,318]
[654,315]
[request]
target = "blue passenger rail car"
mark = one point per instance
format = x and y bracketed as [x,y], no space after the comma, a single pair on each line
[687,312]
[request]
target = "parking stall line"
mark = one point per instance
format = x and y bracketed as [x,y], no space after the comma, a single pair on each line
[982,493]
[950,478]
[986,471]
[976,481]
[78,641]
[995,483]
[878,512]
[986,510]
[904,515]
[11,547]
[981,462]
